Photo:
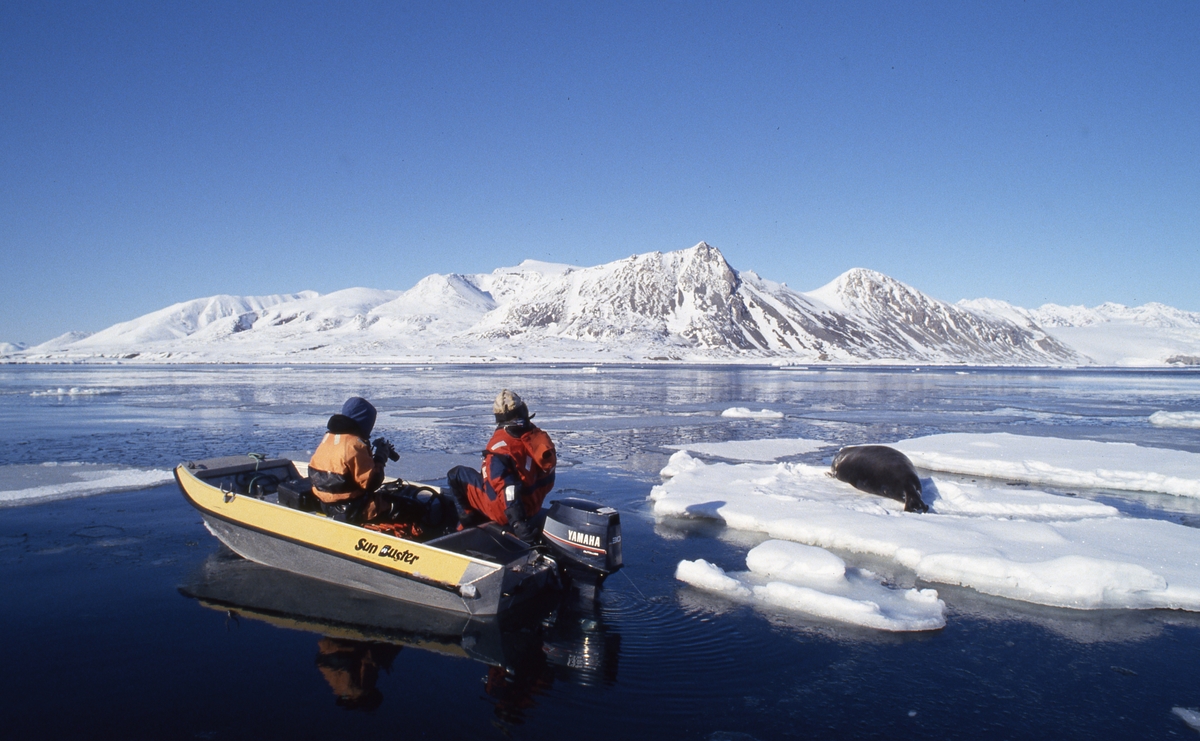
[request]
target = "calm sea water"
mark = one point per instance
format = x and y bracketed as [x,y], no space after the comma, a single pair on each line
[126,619]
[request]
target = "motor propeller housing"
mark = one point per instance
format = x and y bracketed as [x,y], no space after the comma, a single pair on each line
[584,538]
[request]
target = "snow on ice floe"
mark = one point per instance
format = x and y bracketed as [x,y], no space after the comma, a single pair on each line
[744,413]
[1029,546]
[1190,420]
[76,391]
[1052,461]
[960,498]
[812,581]
[29,484]
[755,450]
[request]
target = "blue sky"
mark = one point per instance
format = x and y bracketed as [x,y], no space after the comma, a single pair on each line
[156,152]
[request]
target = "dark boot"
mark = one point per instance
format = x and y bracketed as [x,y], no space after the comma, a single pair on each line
[460,478]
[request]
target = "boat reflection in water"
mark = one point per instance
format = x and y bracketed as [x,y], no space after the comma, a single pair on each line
[352,668]
[362,633]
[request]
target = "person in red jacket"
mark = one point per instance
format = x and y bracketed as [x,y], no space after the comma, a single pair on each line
[343,470]
[518,471]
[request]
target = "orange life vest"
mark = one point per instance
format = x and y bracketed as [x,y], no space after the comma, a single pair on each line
[526,462]
[345,456]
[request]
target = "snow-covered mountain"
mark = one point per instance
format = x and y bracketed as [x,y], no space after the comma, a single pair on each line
[689,306]
[1111,334]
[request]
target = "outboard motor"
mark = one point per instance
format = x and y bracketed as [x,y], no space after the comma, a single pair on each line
[585,539]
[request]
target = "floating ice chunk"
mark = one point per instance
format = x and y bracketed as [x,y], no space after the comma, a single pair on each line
[1084,557]
[702,574]
[795,562]
[1189,420]
[679,463]
[744,413]
[27,484]
[779,575]
[755,450]
[1191,716]
[1055,461]
[76,391]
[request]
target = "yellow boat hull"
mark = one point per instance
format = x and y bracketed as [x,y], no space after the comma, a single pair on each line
[499,573]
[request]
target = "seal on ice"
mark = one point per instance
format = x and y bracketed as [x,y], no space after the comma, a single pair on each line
[878,469]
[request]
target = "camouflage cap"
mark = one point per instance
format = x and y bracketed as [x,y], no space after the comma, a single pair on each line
[506,403]
[508,406]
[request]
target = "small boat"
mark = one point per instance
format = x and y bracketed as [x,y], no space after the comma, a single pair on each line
[251,505]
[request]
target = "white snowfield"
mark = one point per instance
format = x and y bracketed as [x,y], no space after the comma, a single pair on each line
[1110,334]
[28,484]
[1050,461]
[815,582]
[1023,545]
[755,450]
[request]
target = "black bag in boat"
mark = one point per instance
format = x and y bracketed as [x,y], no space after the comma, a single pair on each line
[416,511]
[297,494]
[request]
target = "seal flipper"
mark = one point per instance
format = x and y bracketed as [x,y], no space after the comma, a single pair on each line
[913,501]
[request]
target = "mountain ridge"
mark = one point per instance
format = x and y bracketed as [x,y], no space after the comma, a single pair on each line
[689,305]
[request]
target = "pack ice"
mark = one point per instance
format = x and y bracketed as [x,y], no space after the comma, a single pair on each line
[815,582]
[1024,545]
[32,483]
[754,450]
[1051,461]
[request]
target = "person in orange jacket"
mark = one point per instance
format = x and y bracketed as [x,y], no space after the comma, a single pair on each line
[518,471]
[344,471]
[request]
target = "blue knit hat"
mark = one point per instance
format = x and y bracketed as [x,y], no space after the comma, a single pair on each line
[361,411]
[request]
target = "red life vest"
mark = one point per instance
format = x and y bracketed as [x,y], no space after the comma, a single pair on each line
[526,461]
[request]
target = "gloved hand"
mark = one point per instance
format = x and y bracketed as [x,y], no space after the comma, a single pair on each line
[524,530]
[384,450]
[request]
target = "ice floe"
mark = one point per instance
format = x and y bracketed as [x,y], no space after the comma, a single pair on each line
[1190,420]
[29,484]
[1052,461]
[1191,716]
[960,498]
[1030,546]
[744,413]
[812,581]
[755,450]
[76,391]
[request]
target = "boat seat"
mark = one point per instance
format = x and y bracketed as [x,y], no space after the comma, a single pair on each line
[255,475]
